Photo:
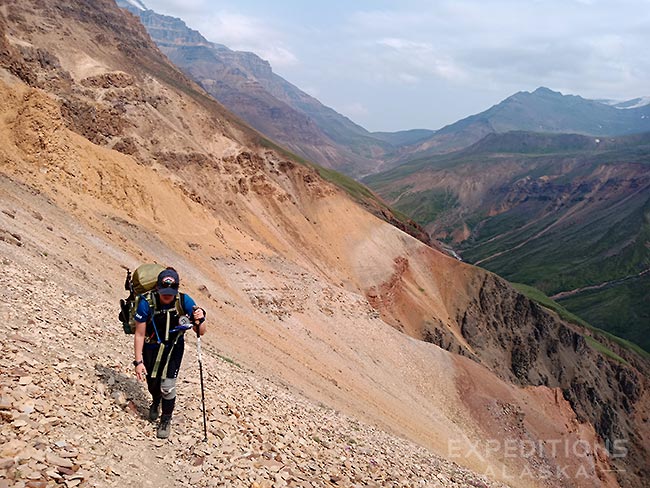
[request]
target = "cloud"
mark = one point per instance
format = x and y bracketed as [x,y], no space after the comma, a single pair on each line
[587,44]
[408,78]
[414,60]
[170,7]
[437,61]
[276,55]
[233,29]
[246,33]
[405,45]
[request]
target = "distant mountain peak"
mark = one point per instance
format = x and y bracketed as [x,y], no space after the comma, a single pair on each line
[542,93]
[542,90]
[547,93]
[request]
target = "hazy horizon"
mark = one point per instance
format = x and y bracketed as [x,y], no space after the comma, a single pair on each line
[392,66]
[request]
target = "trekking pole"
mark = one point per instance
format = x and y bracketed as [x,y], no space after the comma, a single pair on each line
[198,346]
[184,323]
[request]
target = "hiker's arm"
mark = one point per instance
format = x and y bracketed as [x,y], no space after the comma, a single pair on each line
[138,343]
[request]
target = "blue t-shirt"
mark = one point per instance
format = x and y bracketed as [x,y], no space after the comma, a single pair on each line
[144,311]
[162,322]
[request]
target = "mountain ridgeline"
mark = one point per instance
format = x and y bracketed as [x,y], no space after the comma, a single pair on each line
[247,85]
[543,111]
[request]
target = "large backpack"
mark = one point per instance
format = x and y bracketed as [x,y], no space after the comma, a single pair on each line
[143,280]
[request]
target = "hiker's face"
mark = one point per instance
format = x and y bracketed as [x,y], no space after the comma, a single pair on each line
[167,299]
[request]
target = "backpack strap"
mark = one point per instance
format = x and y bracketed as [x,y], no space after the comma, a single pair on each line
[180,305]
[152,300]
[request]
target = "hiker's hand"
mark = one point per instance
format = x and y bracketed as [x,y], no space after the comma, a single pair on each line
[140,372]
[198,316]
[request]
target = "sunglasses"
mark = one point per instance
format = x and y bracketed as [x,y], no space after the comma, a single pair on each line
[169,284]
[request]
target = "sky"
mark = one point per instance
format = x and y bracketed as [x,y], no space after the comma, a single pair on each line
[402,64]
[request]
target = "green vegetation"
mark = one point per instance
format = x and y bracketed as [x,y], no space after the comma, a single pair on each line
[397,192]
[623,307]
[539,297]
[625,343]
[603,350]
[572,255]
[606,248]
[425,206]
[229,360]
[351,186]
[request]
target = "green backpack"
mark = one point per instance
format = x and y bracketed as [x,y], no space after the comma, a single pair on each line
[143,280]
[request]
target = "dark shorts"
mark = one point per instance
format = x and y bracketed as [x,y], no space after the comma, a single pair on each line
[168,363]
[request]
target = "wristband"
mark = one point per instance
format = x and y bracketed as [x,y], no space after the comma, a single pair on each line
[137,363]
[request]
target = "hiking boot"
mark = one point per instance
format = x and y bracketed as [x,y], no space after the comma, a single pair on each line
[165,427]
[153,411]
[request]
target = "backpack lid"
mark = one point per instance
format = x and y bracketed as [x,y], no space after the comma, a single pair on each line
[145,277]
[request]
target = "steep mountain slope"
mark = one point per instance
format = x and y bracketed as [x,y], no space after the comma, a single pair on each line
[560,212]
[73,412]
[540,111]
[248,86]
[111,157]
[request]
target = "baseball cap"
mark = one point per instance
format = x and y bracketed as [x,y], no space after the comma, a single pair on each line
[167,283]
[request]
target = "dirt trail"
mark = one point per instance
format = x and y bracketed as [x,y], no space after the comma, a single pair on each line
[570,293]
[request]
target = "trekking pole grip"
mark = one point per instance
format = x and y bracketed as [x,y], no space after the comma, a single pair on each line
[197,323]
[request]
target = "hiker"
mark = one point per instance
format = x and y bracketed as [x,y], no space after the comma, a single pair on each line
[159,343]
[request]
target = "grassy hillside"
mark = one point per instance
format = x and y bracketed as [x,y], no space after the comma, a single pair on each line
[588,248]
[627,314]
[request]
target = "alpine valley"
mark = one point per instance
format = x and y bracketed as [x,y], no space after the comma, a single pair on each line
[341,351]
[568,214]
